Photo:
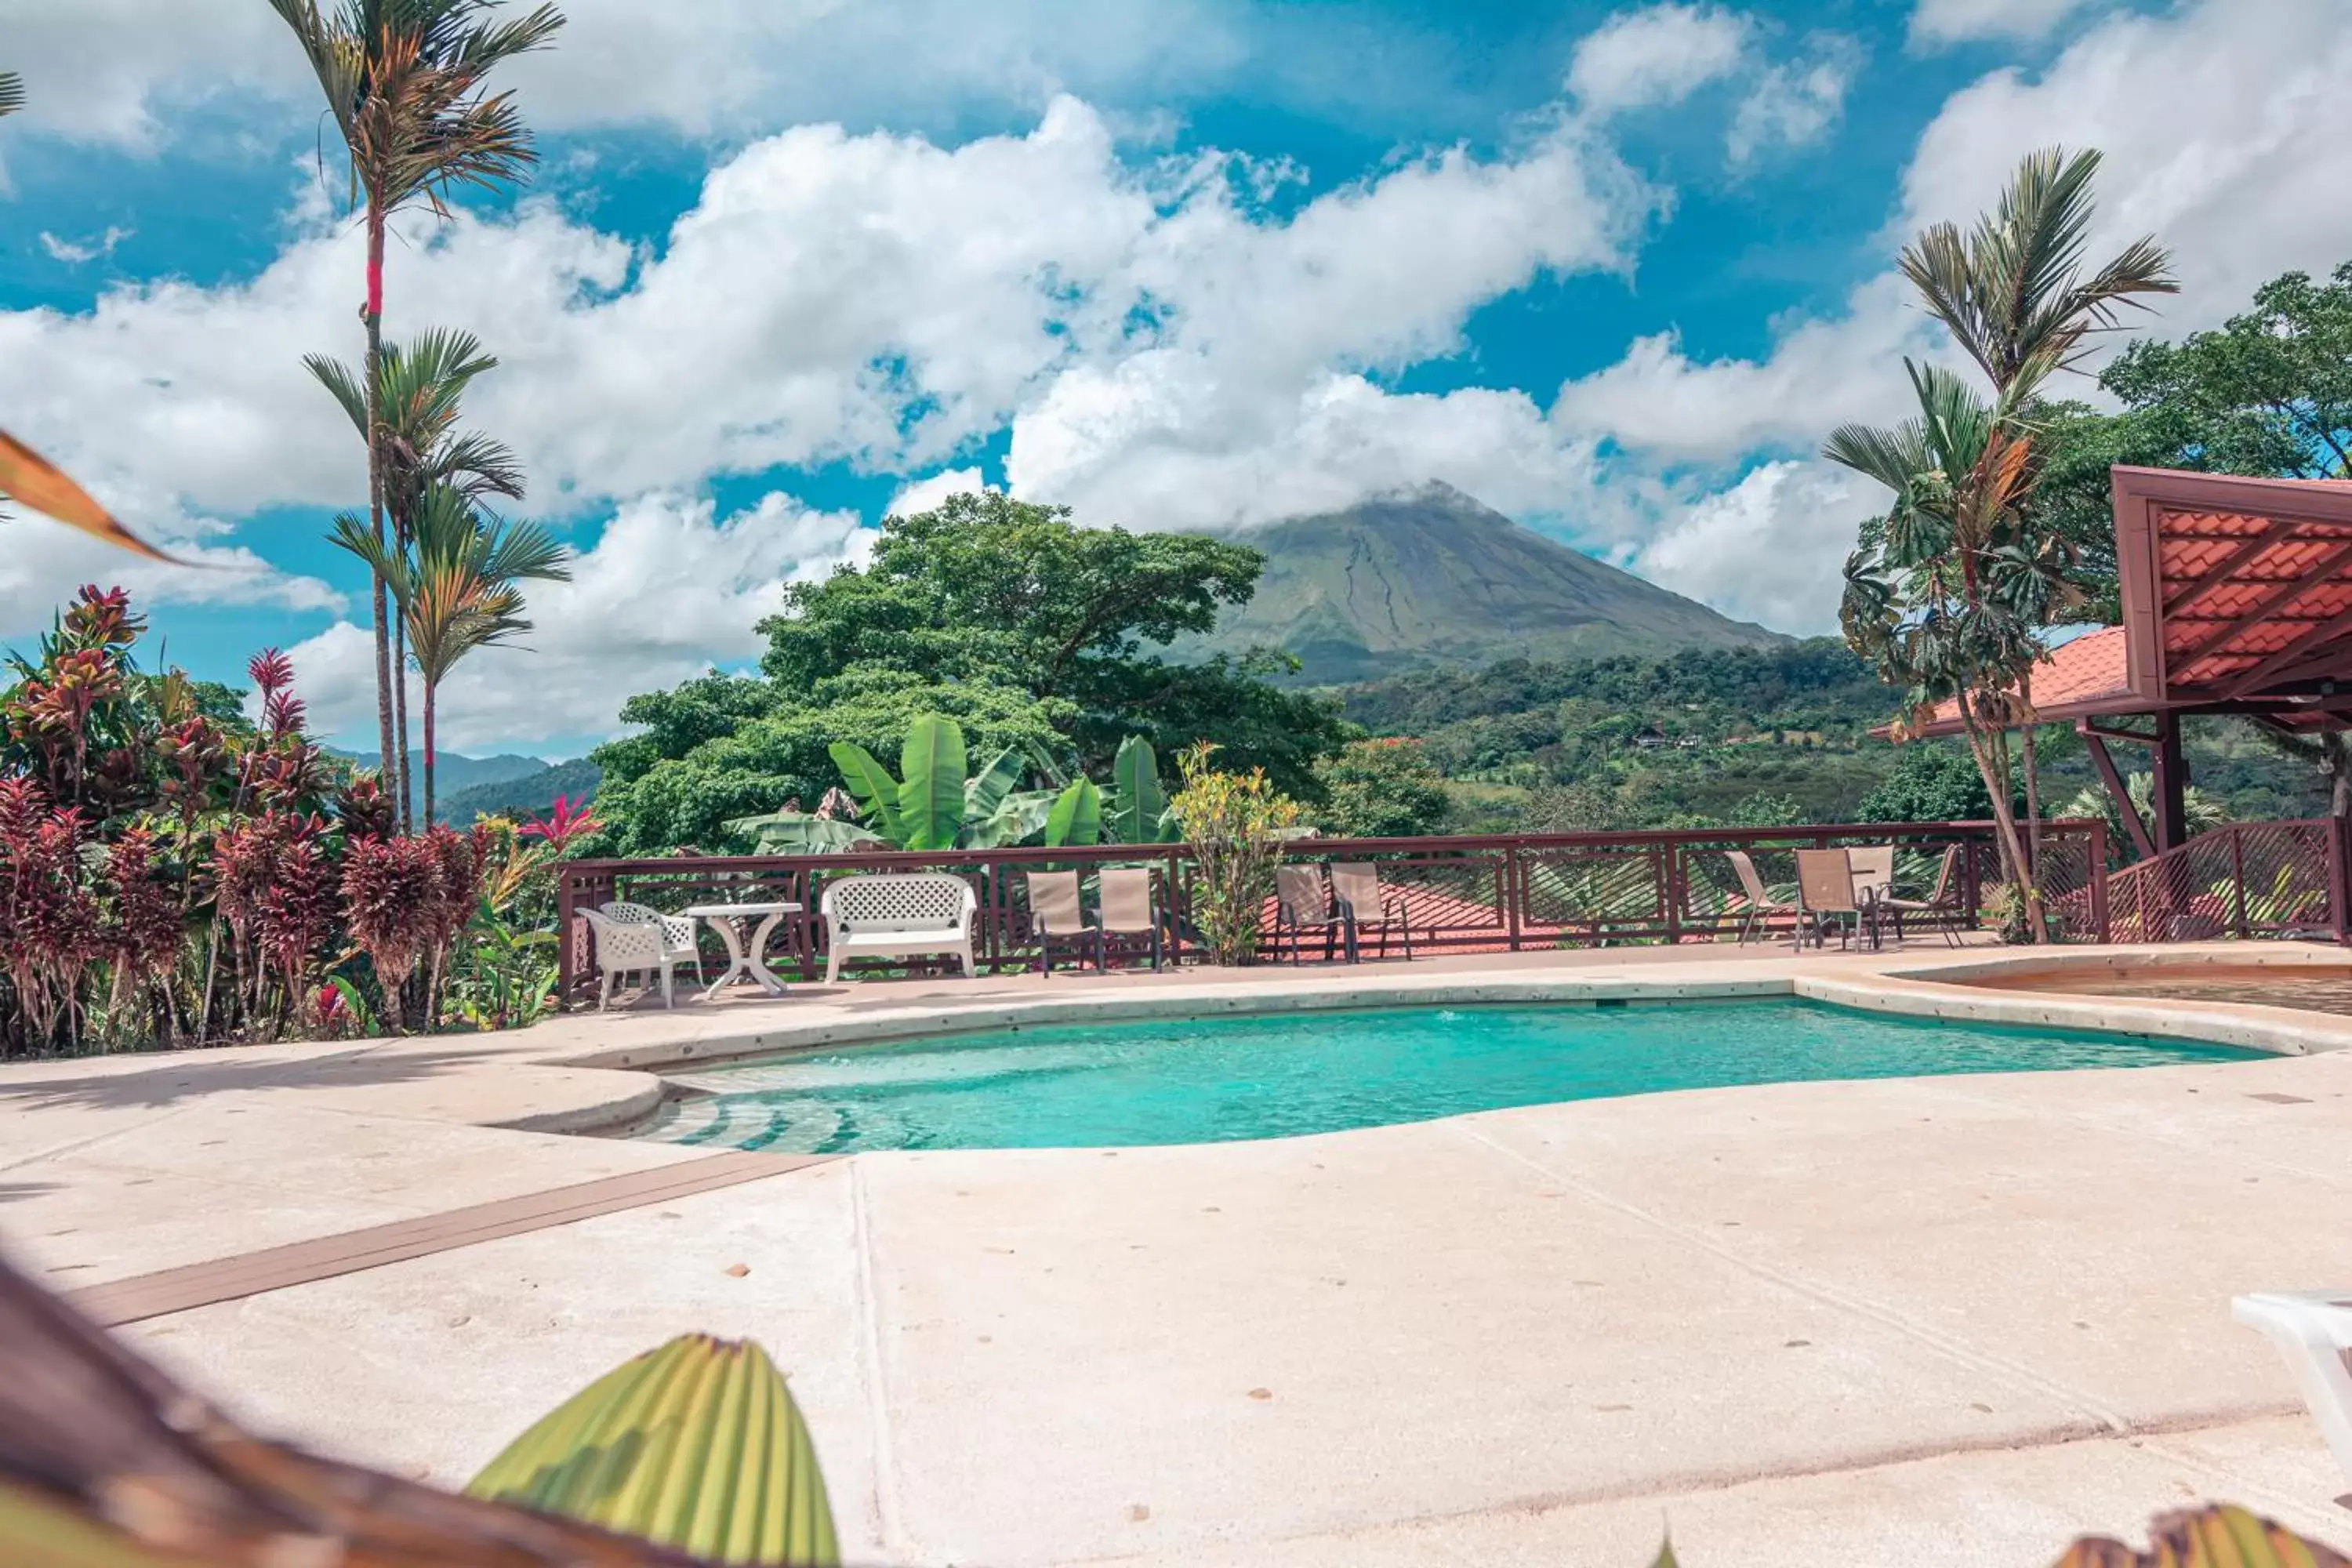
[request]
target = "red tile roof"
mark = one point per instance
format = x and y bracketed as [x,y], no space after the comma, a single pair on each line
[2083,675]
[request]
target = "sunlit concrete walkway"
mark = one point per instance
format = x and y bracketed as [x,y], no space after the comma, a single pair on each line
[1840,1322]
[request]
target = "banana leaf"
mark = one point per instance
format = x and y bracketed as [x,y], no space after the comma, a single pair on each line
[1076,816]
[932,781]
[876,791]
[1136,808]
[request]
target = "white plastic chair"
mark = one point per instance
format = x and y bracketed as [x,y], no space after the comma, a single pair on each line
[2313,1332]
[632,939]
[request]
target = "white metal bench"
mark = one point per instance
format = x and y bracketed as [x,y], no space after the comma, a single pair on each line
[900,916]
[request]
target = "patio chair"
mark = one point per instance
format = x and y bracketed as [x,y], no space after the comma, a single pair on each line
[1874,881]
[1356,885]
[1130,912]
[1942,905]
[679,938]
[2313,1331]
[1303,904]
[1056,920]
[1761,905]
[641,940]
[1825,896]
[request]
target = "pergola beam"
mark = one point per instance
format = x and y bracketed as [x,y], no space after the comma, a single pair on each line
[2286,659]
[2116,791]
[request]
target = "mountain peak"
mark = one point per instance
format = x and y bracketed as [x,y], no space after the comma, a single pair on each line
[1429,575]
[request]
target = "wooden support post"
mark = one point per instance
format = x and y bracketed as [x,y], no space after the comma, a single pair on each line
[2117,790]
[2171,780]
[2339,880]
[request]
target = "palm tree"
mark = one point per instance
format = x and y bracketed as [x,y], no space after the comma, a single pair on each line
[2013,295]
[1950,593]
[419,388]
[2011,291]
[404,82]
[1928,599]
[2203,812]
[455,587]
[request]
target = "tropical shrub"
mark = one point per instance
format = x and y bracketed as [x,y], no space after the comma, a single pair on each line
[1381,788]
[1233,823]
[931,805]
[171,870]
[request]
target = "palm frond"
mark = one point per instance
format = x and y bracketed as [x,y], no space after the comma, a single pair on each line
[342,385]
[1894,458]
[12,92]
[476,466]
[523,551]
[2010,291]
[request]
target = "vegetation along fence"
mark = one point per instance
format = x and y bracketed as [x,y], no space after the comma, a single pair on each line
[1466,894]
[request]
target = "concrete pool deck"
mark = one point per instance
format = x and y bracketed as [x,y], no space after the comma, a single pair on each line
[1969,1317]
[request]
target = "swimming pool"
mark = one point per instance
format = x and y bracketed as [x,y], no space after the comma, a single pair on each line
[1209,1081]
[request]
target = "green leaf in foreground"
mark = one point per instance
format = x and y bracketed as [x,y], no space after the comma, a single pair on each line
[697,1445]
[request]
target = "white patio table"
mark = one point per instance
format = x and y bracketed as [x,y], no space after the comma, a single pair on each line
[746,959]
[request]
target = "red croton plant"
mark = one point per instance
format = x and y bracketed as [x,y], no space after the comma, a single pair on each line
[171,871]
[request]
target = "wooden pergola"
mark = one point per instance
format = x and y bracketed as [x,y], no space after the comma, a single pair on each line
[2237,599]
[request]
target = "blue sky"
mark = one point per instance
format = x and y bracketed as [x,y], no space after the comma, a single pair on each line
[1179,263]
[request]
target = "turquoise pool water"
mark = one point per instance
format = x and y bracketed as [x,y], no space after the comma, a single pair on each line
[1211,1080]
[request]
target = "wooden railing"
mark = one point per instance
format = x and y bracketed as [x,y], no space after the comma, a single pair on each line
[1486,893]
[2242,880]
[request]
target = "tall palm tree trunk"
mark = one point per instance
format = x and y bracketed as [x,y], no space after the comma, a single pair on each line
[428,752]
[377,593]
[400,704]
[1993,769]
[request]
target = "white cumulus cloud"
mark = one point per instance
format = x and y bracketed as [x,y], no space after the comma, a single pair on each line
[1966,21]
[1768,549]
[1796,102]
[1659,55]
[667,589]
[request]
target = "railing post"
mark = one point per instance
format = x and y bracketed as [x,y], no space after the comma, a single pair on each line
[564,969]
[2098,874]
[1509,885]
[1969,888]
[1670,860]
[2339,880]
[2238,879]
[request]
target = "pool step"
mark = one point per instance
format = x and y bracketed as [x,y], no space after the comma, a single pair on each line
[796,1128]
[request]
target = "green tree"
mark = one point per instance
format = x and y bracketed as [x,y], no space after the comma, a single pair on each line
[723,748]
[1933,781]
[1383,788]
[986,587]
[404,84]
[1029,631]
[420,390]
[2267,394]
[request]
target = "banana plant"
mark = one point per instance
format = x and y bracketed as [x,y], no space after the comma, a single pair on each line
[1136,810]
[932,805]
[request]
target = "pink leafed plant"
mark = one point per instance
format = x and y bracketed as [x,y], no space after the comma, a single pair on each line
[276,890]
[144,926]
[566,823]
[48,921]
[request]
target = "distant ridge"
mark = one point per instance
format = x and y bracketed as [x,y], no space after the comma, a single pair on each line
[1433,578]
